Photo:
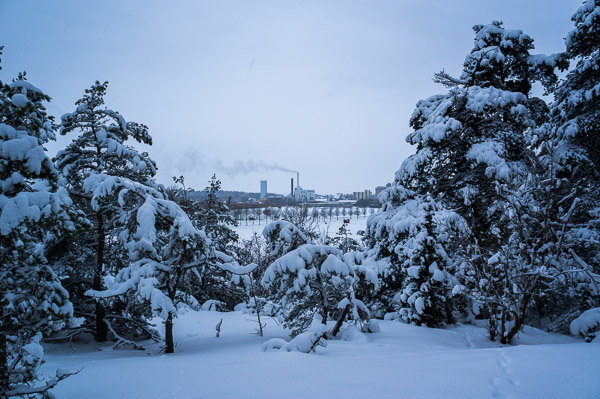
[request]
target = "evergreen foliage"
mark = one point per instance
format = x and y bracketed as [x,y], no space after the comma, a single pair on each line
[98,150]
[313,280]
[574,133]
[164,248]
[212,216]
[34,212]
[476,154]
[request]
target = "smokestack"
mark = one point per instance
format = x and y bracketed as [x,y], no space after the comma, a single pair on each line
[292,193]
[297,179]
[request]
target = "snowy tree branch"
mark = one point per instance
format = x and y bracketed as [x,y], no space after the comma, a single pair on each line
[22,390]
[447,80]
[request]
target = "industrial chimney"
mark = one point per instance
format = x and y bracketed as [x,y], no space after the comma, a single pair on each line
[292,185]
[297,179]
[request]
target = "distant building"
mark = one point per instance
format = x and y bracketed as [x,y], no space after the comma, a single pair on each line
[263,189]
[378,190]
[358,195]
[301,195]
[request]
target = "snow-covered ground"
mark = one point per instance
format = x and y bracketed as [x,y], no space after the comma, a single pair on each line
[400,361]
[330,227]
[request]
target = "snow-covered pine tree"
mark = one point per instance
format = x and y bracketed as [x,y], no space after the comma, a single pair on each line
[577,106]
[526,275]
[216,218]
[576,133]
[471,137]
[33,211]
[344,241]
[570,151]
[474,143]
[165,249]
[213,216]
[98,149]
[282,237]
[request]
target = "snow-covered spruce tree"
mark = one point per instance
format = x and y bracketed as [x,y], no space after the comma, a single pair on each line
[98,148]
[33,211]
[471,137]
[427,287]
[165,249]
[382,255]
[474,143]
[577,106]
[313,280]
[409,237]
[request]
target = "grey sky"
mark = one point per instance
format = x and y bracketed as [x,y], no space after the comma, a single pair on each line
[322,87]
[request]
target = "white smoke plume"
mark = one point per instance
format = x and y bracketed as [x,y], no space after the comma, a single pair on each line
[194,160]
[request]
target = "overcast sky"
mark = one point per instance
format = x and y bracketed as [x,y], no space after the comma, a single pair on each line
[238,87]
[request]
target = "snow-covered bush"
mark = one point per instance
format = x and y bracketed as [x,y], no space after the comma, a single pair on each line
[213,305]
[305,342]
[282,237]
[587,325]
[309,280]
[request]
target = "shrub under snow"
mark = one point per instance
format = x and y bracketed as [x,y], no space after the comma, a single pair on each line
[587,325]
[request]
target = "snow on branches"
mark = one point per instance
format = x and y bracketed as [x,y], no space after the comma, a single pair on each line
[33,212]
[310,280]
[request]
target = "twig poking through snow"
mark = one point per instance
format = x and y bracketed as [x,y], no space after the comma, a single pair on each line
[218,328]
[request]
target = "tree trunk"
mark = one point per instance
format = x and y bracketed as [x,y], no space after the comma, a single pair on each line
[101,329]
[169,334]
[340,321]
[3,366]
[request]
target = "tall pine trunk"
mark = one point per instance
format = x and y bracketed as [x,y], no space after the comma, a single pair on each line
[101,328]
[169,334]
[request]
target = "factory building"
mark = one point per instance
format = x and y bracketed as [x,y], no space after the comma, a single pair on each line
[378,190]
[263,189]
[358,195]
[301,195]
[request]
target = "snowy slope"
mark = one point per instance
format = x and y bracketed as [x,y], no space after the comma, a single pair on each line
[400,361]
